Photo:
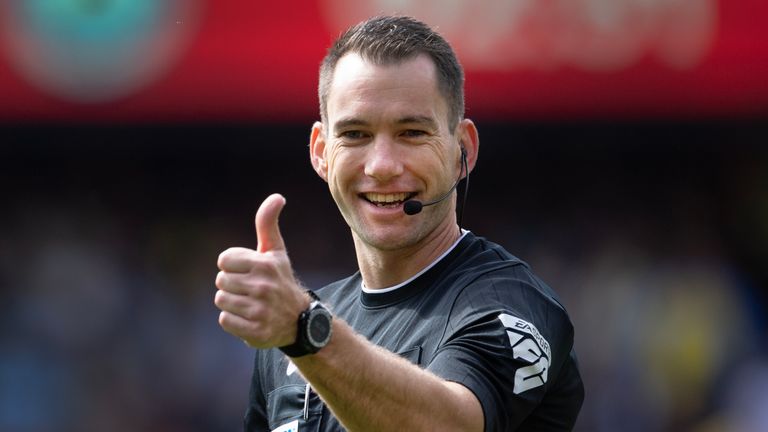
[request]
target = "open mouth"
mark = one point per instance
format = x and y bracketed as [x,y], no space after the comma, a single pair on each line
[387,200]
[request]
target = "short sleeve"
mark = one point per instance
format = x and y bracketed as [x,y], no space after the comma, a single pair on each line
[507,356]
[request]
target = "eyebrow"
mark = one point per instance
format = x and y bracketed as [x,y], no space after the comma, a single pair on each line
[417,119]
[347,122]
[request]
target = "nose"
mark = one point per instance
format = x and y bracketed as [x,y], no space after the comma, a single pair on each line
[384,160]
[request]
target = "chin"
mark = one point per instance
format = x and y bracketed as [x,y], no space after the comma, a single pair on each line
[387,238]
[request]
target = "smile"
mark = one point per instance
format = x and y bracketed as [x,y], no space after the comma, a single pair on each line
[387,199]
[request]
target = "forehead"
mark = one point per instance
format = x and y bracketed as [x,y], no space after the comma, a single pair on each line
[410,84]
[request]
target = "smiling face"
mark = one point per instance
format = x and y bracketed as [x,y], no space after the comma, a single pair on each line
[387,140]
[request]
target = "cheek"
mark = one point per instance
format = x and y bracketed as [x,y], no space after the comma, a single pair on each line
[341,171]
[437,163]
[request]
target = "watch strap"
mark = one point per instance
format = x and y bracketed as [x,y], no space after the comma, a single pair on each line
[301,347]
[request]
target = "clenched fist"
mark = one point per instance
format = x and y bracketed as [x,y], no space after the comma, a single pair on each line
[259,297]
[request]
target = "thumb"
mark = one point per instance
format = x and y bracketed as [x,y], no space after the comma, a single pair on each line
[267,228]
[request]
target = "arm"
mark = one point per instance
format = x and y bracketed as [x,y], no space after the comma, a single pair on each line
[364,385]
[369,388]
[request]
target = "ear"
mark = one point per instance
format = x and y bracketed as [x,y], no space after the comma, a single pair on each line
[317,150]
[469,140]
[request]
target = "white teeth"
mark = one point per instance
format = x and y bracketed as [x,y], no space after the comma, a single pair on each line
[382,199]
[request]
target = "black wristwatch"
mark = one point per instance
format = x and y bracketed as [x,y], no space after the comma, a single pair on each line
[314,330]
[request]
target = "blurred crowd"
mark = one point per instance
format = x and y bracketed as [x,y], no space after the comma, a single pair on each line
[655,233]
[106,307]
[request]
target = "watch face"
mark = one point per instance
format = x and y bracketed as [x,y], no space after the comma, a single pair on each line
[319,328]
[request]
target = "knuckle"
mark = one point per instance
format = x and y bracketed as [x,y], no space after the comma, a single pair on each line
[220,280]
[259,289]
[218,299]
[255,313]
[269,266]
[235,258]
[223,258]
[224,320]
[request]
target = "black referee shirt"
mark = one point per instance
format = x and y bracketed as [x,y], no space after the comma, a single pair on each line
[478,317]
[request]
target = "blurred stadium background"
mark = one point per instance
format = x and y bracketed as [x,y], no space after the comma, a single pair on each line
[624,156]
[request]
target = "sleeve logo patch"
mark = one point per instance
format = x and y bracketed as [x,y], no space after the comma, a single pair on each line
[528,345]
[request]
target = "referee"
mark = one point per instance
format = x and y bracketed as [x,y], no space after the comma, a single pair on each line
[439,330]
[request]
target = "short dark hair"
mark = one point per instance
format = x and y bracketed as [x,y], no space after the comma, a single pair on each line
[386,40]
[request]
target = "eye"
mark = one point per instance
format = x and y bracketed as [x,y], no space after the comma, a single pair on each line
[352,135]
[414,133]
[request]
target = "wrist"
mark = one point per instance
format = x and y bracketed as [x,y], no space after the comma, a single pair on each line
[313,329]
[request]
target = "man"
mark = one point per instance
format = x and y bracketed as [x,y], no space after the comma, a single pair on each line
[439,330]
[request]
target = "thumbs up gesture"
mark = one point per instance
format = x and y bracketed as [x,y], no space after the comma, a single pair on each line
[259,297]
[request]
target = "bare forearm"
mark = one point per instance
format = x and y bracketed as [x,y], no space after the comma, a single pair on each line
[369,388]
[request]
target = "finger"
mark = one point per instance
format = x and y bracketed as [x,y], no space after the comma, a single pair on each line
[242,284]
[235,283]
[252,333]
[267,226]
[236,260]
[235,324]
[240,305]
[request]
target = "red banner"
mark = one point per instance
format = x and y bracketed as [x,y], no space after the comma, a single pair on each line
[256,61]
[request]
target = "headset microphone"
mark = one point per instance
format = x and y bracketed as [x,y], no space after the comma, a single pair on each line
[413,207]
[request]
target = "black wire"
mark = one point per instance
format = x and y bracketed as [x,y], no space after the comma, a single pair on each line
[466,184]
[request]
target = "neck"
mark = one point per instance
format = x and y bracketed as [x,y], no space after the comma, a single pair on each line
[384,268]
